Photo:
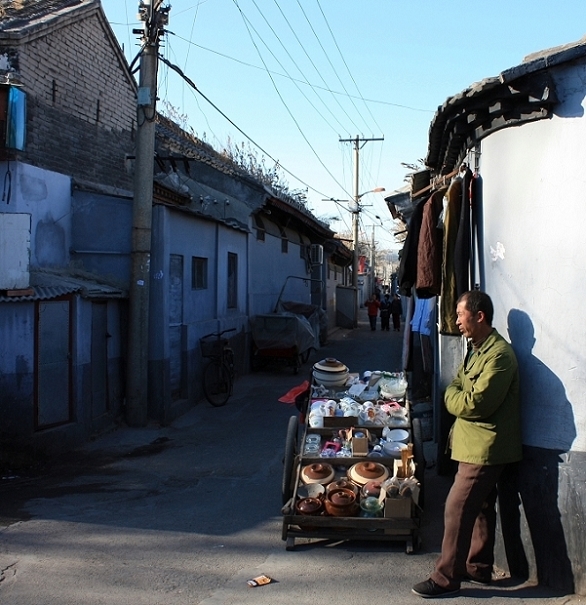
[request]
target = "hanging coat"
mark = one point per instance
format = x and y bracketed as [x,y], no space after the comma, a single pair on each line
[407,274]
[448,290]
[430,248]
[462,248]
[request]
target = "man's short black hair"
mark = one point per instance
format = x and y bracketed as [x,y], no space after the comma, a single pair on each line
[478,301]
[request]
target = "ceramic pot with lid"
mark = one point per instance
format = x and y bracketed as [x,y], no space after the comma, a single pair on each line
[363,472]
[341,502]
[318,472]
[309,506]
[343,483]
[372,488]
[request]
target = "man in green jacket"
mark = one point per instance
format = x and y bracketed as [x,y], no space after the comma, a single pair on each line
[486,435]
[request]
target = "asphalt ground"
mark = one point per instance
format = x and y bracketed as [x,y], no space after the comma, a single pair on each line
[187,513]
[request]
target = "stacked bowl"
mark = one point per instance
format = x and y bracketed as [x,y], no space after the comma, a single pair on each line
[330,373]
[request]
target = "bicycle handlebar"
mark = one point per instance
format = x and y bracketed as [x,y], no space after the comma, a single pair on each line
[218,334]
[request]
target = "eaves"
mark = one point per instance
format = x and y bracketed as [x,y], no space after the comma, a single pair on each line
[518,95]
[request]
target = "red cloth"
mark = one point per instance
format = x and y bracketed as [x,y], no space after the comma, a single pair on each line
[291,395]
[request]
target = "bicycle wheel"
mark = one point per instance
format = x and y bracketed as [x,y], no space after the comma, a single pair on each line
[229,361]
[291,450]
[217,383]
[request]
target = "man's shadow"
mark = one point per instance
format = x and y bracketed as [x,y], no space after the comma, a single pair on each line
[548,433]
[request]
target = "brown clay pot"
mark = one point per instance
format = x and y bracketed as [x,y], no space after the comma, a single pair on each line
[363,472]
[342,483]
[309,506]
[319,472]
[372,488]
[341,502]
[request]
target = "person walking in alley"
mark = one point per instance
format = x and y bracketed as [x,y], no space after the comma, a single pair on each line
[385,312]
[372,306]
[485,437]
[396,311]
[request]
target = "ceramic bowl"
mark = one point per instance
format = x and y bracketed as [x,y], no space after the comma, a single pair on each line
[393,448]
[398,435]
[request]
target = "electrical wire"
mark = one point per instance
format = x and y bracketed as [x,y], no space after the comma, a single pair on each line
[328,58]
[300,70]
[311,60]
[317,86]
[195,88]
[346,65]
[287,107]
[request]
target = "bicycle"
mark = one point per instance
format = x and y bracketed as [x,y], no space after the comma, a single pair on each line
[218,374]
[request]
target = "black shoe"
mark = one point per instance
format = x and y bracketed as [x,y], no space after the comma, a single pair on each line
[477,580]
[429,590]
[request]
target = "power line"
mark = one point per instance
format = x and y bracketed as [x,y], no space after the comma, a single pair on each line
[288,77]
[196,89]
[346,64]
[297,66]
[287,107]
[328,58]
[311,60]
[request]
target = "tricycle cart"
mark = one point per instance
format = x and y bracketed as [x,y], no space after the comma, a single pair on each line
[283,338]
[401,518]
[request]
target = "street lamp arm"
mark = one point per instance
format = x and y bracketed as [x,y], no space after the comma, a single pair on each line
[375,190]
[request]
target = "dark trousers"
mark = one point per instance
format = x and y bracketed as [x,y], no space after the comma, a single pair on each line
[396,321]
[469,526]
[384,322]
[372,320]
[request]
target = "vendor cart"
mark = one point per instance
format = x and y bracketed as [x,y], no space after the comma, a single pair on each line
[400,520]
[282,338]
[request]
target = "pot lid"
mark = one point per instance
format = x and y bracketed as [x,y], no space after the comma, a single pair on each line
[363,472]
[342,497]
[318,472]
[309,505]
[330,364]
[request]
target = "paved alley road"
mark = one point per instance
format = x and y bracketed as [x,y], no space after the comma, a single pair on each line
[186,514]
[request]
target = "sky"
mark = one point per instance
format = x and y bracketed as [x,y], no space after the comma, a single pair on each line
[297,81]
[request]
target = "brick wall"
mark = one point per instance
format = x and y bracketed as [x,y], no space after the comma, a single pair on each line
[81,104]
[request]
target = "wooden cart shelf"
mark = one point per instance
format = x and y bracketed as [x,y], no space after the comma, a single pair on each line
[403,529]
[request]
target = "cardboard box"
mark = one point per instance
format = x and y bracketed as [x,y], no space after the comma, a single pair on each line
[341,422]
[359,444]
[398,507]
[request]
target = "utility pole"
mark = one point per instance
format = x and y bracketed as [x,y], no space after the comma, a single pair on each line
[137,361]
[355,214]
[373,261]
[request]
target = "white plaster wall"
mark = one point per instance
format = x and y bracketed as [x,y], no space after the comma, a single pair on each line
[534,225]
[269,268]
[46,196]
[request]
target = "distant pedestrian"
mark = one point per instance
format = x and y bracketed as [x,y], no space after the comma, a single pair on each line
[396,312]
[372,306]
[385,312]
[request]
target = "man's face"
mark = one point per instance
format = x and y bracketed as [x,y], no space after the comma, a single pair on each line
[467,322]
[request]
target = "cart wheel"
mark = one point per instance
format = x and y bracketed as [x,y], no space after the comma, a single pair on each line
[291,451]
[419,457]
[305,356]
[290,545]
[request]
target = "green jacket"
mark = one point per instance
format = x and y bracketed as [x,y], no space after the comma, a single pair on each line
[484,397]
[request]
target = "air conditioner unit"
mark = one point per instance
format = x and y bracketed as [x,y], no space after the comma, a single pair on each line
[316,254]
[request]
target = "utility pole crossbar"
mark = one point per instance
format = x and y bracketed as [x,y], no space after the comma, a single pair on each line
[356,141]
